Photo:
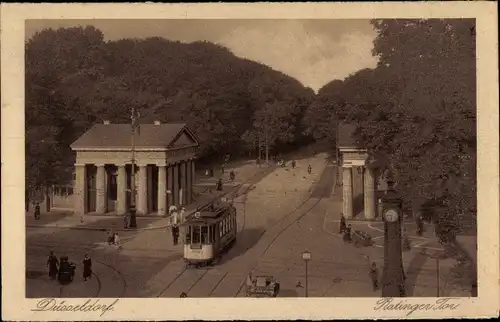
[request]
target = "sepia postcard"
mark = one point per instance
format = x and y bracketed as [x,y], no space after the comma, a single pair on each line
[250,161]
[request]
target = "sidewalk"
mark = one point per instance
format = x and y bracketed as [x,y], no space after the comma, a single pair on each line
[67,220]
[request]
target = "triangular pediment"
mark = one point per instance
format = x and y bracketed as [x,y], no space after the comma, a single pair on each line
[184,138]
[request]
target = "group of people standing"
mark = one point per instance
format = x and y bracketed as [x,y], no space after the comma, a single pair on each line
[57,267]
[345,229]
[114,239]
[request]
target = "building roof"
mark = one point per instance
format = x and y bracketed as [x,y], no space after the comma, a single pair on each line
[346,136]
[119,136]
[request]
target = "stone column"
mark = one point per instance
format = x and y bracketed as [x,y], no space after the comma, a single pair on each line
[347,192]
[80,190]
[193,177]
[183,195]
[101,192]
[170,187]
[176,184]
[189,183]
[142,193]
[369,194]
[150,187]
[121,190]
[193,172]
[162,190]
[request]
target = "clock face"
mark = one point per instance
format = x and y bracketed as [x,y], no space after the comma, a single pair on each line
[391,215]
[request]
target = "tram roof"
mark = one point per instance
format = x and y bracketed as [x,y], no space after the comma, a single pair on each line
[208,217]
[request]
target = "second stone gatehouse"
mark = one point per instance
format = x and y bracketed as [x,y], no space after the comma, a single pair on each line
[363,181]
[165,157]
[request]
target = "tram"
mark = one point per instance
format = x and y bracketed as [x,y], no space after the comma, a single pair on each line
[208,233]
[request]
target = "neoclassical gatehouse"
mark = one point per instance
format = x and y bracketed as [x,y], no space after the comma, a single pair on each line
[362,180]
[165,157]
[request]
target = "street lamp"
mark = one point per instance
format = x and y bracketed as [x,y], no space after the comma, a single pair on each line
[393,275]
[437,256]
[306,256]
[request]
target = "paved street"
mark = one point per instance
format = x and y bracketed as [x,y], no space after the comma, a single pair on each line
[281,213]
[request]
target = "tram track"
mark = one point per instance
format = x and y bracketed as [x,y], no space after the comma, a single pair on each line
[177,278]
[247,186]
[284,229]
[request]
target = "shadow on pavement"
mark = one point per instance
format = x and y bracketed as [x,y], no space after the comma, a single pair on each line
[288,293]
[358,206]
[413,271]
[323,188]
[244,241]
[118,222]
[46,218]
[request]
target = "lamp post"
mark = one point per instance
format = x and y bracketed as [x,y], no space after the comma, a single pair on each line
[393,274]
[306,256]
[132,209]
[438,256]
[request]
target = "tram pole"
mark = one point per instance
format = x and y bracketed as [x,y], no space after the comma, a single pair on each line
[132,210]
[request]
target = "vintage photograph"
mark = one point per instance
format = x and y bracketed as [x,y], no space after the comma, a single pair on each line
[250,158]
[267,161]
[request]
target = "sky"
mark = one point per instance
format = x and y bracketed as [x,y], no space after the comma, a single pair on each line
[314,52]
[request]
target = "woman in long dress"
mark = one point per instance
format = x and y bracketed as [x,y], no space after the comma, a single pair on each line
[53,265]
[87,268]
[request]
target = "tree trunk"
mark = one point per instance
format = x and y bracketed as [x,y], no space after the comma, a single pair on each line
[47,199]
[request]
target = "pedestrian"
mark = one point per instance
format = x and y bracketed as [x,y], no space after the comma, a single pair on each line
[111,237]
[116,241]
[342,224]
[206,172]
[181,216]
[174,217]
[402,290]
[37,211]
[87,267]
[347,234]
[374,276]
[420,225]
[222,169]
[294,164]
[125,221]
[232,175]
[171,209]
[175,234]
[309,169]
[219,185]
[53,265]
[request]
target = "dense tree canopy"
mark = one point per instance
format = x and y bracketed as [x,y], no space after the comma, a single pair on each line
[74,79]
[416,109]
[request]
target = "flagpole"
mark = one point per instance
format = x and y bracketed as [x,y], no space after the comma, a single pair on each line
[133,221]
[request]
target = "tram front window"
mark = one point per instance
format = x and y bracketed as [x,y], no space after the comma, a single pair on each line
[196,235]
[204,235]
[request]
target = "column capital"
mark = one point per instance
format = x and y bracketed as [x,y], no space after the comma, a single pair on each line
[80,164]
[141,165]
[161,164]
[99,164]
[120,164]
[347,166]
